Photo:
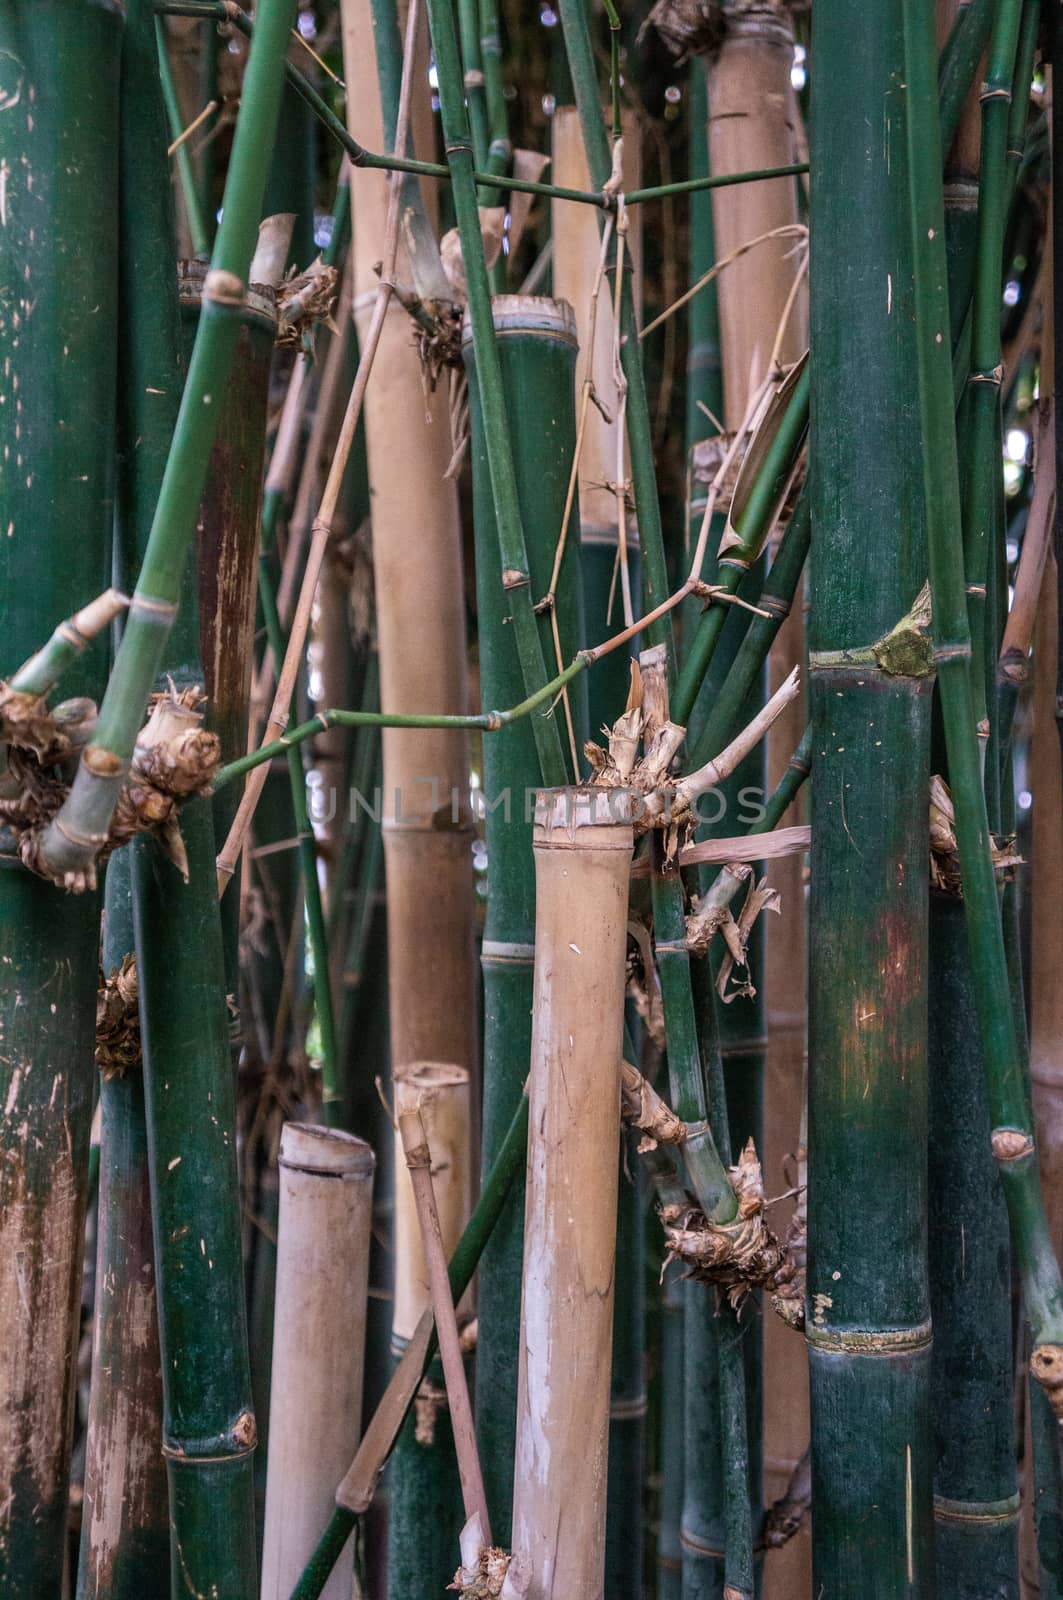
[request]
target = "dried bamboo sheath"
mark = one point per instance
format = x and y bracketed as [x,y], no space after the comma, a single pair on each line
[326,1182]
[582,863]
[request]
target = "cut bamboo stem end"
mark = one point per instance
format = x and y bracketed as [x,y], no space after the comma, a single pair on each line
[326,1186]
[418,1155]
[441,1092]
[582,843]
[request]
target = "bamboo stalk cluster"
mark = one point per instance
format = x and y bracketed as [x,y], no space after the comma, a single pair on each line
[531,1157]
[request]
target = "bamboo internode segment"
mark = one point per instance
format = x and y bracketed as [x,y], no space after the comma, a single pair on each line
[583,843]
[577,248]
[326,1185]
[442,1093]
[752,122]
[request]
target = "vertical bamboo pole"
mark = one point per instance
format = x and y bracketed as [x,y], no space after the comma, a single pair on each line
[576,258]
[421,630]
[326,1186]
[58,277]
[125,1543]
[868,1324]
[976,1503]
[582,863]
[537,351]
[446,1111]
[125,1535]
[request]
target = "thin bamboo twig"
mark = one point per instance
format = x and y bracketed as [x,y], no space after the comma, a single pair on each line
[197,223]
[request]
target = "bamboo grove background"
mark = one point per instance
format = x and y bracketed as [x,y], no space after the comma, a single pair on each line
[531,830]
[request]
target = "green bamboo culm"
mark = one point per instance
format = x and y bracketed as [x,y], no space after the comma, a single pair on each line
[197,222]
[59,79]
[125,1542]
[1012,1141]
[536,342]
[960,59]
[73,839]
[1012,1138]
[868,1313]
[498,433]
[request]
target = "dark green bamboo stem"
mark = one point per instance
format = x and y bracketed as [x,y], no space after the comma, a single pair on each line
[494,1193]
[1012,1138]
[125,1533]
[498,437]
[59,71]
[499,149]
[639,428]
[536,348]
[72,840]
[976,1501]
[867,1321]
[125,1544]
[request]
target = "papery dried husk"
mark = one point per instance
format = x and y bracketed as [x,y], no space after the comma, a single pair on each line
[688,27]
[303,300]
[642,1107]
[736,1256]
[118,1021]
[27,724]
[495,1579]
[945,872]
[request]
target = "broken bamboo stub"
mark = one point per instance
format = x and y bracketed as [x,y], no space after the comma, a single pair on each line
[326,1186]
[443,1092]
[583,842]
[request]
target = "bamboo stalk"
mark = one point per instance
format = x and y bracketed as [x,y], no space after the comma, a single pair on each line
[537,351]
[326,1182]
[446,1113]
[71,843]
[125,1548]
[868,1326]
[421,635]
[59,267]
[582,852]
[1012,1140]
[125,1536]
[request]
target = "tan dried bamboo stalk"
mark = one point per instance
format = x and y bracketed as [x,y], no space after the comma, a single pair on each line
[582,863]
[442,1092]
[322,527]
[326,1187]
[418,1156]
[576,251]
[420,612]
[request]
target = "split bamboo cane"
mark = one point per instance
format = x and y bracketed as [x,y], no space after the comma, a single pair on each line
[326,1183]
[582,861]
[58,272]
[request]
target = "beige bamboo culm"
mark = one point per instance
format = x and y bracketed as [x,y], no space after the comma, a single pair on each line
[326,1189]
[421,630]
[577,254]
[441,1091]
[583,844]
[753,123]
